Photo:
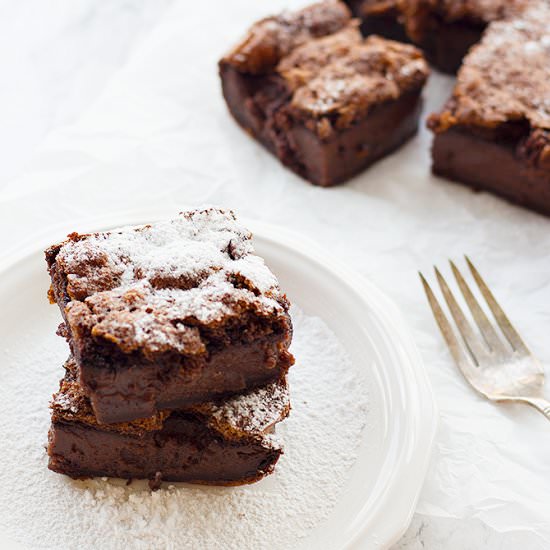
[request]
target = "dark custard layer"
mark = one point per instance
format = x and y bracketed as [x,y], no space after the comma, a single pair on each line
[257,104]
[185,449]
[491,165]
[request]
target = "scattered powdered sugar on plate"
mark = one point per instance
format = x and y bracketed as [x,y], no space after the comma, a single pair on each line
[321,436]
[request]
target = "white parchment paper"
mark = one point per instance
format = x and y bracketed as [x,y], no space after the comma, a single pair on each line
[160,138]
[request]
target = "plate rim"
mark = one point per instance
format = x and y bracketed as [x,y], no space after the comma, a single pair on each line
[386,310]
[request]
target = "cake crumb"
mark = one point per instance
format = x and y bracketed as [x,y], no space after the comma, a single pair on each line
[156,483]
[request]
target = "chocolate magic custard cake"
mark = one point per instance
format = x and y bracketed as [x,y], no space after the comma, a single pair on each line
[169,314]
[224,443]
[494,132]
[317,95]
[444,29]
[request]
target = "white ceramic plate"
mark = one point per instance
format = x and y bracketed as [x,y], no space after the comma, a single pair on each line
[383,486]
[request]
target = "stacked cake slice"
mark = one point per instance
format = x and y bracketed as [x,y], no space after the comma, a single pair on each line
[179,339]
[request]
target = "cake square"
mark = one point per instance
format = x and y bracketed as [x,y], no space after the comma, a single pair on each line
[169,314]
[444,29]
[317,95]
[220,443]
[494,132]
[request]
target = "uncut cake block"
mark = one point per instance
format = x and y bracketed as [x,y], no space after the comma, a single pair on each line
[317,95]
[222,443]
[444,29]
[494,132]
[169,314]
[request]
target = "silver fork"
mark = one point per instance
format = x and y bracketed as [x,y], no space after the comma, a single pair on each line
[499,370]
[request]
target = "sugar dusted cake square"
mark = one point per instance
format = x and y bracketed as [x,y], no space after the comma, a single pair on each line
[169,314]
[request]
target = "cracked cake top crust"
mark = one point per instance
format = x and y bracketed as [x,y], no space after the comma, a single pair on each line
[270,39]
[505,82]
[421,17]
[154,288]
[333,76]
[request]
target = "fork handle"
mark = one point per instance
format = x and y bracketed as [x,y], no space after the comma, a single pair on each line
[540,404]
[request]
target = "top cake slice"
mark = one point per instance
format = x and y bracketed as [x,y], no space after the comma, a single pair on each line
[494,132]
[325,101]
[169,314]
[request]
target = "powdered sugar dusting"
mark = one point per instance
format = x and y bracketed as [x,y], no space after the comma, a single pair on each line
[46,510]
[255,411]
[142,285]
[186,246]
[206,249]
[64,402]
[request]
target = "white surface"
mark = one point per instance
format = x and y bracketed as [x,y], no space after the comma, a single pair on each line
[358,440]
[56,56]
[160,135]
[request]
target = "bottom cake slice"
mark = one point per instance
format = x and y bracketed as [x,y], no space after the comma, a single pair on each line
[225,443]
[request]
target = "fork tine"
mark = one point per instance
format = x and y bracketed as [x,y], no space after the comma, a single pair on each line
[485,327]
[503,322]
[479,353]
[463,361]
